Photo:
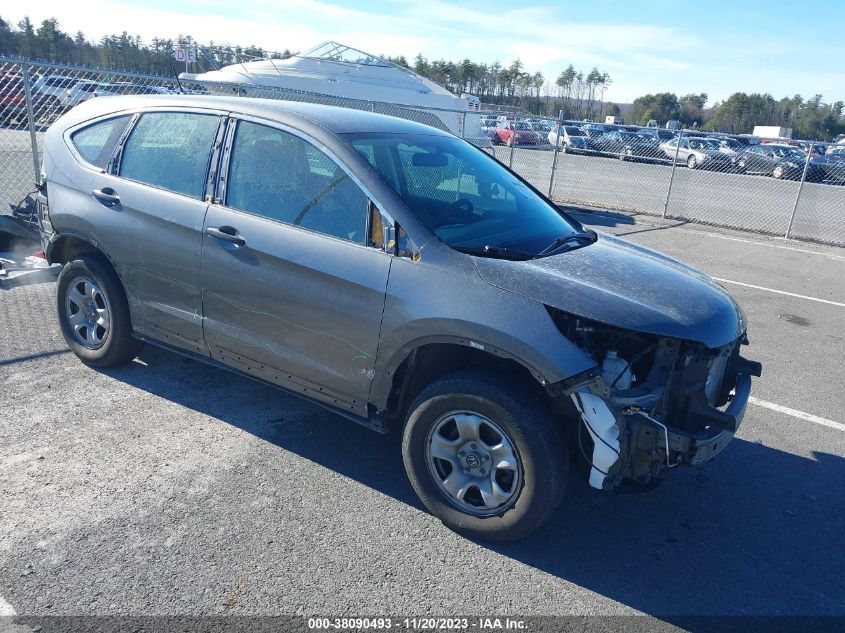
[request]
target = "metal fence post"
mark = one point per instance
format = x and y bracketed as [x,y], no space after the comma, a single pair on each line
[557,150]
[30,120]
[672,175]
[513,144]
[463,123]
[800,187]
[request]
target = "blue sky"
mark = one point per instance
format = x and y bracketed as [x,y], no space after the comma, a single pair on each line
[718,47]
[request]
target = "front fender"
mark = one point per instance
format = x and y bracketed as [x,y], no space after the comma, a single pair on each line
[451,304]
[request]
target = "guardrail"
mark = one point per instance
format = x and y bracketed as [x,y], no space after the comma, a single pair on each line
[684,176]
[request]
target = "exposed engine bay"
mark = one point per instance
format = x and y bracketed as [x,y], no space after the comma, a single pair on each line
[652,402]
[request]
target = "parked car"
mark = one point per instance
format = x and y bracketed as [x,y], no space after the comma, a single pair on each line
[79,92]
[729,144]
[778,161]
[84,90]
[542,129]
[517,133]
[700,152]
[489,127]
[398,276]
[747,139]
[572,139]
[815,148]
[658,133]
[594,131]
[54,85]
[628,145]
[829,168]
[12,99]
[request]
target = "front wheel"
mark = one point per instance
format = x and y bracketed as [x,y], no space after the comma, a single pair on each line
[692,161]
[778,172]
[94,314]
[484,456]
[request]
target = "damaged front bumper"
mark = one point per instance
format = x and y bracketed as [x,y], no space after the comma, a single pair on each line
[635,434]
[698,447]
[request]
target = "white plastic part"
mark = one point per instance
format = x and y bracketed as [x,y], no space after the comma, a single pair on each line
[611,368]
[601,425]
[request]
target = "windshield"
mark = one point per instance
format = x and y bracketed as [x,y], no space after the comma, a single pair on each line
[467,198]
[787,152]
[703,143]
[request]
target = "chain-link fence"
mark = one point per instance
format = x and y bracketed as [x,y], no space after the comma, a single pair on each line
[777,188]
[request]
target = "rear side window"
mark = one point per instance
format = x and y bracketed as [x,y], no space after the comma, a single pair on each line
[282,177]
[96,142]
[170,150]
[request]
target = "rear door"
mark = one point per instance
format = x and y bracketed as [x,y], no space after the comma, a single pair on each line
[292,291]
[153,209]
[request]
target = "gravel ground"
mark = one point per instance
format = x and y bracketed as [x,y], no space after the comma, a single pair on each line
[170,487]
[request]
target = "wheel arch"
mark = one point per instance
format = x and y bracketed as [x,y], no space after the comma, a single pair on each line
[63,247]
[419,364]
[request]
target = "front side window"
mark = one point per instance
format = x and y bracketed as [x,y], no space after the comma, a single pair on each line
[280,176]
[96,142]
[468,199]
[170,150]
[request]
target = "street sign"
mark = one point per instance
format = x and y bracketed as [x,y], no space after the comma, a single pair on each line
[187,55]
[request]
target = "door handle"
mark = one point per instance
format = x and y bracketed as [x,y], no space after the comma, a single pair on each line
[226,234]
[107,196]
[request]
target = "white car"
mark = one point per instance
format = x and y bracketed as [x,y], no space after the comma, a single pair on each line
[699,152]
[572,139]
[53,85]
[85,90]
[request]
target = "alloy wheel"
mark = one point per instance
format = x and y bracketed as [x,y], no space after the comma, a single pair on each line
[87,312]
[474,463]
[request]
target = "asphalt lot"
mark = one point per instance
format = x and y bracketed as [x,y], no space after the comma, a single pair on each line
[170,487]
[750,202]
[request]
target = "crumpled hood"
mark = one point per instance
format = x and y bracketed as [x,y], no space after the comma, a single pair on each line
[625,285]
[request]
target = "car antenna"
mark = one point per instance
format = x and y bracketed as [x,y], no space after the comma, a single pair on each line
[176,76]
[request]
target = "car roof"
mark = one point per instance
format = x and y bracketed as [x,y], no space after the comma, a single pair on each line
[335,119]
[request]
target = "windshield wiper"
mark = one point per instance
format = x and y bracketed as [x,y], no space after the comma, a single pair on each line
[580,238]
[498,252]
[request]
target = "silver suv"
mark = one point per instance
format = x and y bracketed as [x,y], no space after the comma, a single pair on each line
[400,277]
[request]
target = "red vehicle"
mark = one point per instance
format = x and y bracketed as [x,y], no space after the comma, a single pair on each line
[518,132]
[12,99]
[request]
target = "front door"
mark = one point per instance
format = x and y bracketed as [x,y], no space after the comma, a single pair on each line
[292,292]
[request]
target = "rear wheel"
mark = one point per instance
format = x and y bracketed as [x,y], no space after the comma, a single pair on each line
[94,314]
[484,456]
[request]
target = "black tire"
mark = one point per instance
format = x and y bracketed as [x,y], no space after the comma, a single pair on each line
[778,172]
[692,161]
[118,346]
[542,453]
